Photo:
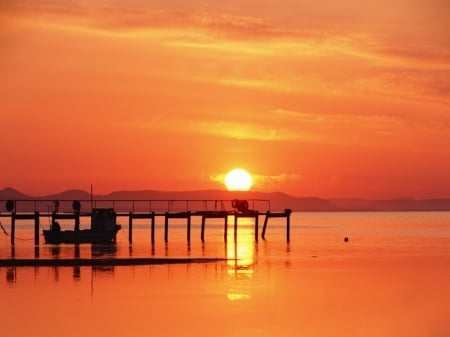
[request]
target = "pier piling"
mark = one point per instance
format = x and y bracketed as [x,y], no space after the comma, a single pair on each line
[132,216]
[36,228]
[130,227]
[24,216]
[213,215]
[286,214]
[13,228]
[179,215]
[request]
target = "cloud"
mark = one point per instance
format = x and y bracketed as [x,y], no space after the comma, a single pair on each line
[252,54]
[298,116]
[417,82]
[261,181]
[111,17]
[244,130]
[218,178]
[352,127]
[227,129]
[268,181]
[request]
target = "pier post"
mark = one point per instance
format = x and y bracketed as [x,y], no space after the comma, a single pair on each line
[130,227]
[188,214]
[153,228]
[36,228]
[265,225]
[166,227]
[77,221]
[288,212]
[225,230]
[256,226]
[202,234]
[13,227]
[214,215]
[235,225]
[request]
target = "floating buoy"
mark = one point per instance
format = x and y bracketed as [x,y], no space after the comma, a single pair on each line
[346,239]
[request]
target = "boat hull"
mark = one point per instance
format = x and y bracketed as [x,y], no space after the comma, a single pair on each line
[80,236]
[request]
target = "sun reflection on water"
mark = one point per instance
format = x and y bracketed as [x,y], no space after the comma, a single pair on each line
[241,253]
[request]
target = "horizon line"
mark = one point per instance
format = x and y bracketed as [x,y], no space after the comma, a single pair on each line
[405,198]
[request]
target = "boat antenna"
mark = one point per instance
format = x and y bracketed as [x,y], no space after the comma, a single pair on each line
[92,199]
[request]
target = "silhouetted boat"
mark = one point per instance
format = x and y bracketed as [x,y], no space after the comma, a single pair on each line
[103,229]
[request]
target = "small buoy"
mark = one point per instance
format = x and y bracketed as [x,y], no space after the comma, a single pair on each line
[346,239]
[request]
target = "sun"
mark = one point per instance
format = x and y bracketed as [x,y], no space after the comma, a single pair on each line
[238,180]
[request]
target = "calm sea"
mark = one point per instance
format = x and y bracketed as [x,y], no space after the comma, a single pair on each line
[391,278]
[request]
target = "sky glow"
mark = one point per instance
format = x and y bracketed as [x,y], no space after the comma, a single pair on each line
[312,97]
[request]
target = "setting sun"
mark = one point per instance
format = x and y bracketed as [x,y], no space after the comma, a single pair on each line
[238,180]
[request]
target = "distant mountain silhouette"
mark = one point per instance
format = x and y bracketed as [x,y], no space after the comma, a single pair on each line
[11,193]
[69,195]
[278,200]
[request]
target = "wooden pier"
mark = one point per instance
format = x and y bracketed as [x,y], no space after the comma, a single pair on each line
[238,210]
[286,214]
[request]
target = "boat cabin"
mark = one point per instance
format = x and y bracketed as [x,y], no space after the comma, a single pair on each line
[103,219]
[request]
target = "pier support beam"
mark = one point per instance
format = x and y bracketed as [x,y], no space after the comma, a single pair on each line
[288,225]
[13,228]
[180,215]
[266,219]
[286,214]
[214,215]
[132,216]
[153,228]
[130,227]
[36,228]
[25,216]
[188,235]
[166,227]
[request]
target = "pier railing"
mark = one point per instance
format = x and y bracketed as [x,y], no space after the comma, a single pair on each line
[137,205]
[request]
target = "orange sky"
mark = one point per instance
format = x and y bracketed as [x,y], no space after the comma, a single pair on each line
[325,98]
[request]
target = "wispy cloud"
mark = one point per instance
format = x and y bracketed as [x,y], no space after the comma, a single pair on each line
[251,131]
[263,181]
[253,55]
[227,129]
[346,61]
[271,181]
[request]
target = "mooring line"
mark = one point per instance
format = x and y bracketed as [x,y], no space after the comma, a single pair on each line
[3,228]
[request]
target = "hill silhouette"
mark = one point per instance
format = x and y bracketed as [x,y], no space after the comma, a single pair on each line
[278,200]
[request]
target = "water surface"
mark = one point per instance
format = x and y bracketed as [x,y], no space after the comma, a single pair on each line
[390,279]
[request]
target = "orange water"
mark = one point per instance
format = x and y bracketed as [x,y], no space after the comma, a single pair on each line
[390,279]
